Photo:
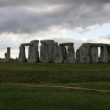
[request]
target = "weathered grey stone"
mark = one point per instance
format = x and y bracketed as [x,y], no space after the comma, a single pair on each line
[95,44]
[77,55]
[50,54]
[84,54]
[7,55]
[88,52]
[22,56]
[46,51]
[108,53]
[70,54]
[64,53]
[33,54]
[57,54]
[34,42]
[94,55]
[47,42]
[26,44]
[44,57]
[104,54]
[50,51]
[66,44]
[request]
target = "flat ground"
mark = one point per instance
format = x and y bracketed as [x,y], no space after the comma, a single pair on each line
[30,86]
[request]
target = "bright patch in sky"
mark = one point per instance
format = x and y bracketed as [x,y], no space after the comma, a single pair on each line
[95,33]
[92,33]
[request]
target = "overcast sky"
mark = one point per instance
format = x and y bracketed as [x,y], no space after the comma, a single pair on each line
[75,21]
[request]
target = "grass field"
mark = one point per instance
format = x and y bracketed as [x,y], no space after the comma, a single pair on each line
[30,86]
[53,73]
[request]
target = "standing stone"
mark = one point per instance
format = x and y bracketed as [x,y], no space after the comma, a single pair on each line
[64,53]
[94,55]
[108,53]
[33,54]
[22,56]
[84,54]
[70,54]
[89,53]
[57,53]
[30,53]
[46,51]
[77,55]
[104,54]
[50,50]
[7,55]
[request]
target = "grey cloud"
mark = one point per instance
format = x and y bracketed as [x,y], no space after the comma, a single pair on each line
[15,17]
[49,2]
[105,37]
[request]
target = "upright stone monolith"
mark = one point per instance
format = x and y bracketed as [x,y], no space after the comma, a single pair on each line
[22,56]
[57,53]
[94,55]
[46,51]
[83,54]
[64,53]
[104,54]
[7,55]
[33,54]
[78,56]
[70,54]
[108,53]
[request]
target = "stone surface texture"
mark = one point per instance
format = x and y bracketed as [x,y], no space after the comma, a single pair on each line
[33,54]
[46,51]
[22,56]
[68,53]
[7,55]
[57,54]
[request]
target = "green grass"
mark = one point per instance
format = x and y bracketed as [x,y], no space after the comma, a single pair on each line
[40,86]
[53,73]
[53,97]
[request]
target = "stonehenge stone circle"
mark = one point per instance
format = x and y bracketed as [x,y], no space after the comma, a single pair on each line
[51,51]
